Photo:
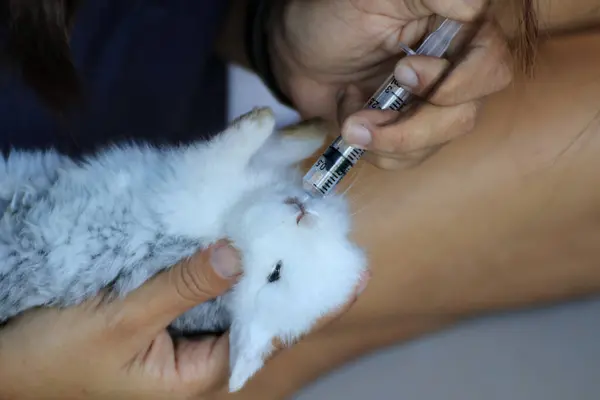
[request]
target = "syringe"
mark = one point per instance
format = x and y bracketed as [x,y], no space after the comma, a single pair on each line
[339,157]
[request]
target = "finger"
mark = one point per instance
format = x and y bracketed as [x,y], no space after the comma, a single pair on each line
[203,364]
[430,126]
[357,129]
[199,365]
[153,306]
[486,69]
[418,73]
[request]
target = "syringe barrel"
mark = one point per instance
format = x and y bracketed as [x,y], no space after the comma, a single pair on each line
[389,96]
[340,157]
[331,167]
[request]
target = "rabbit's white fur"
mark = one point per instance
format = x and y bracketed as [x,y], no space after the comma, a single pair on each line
[116,219]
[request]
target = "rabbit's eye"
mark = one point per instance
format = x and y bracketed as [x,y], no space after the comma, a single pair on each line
[276,274]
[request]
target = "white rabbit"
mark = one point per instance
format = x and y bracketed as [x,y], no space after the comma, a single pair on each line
[116,219]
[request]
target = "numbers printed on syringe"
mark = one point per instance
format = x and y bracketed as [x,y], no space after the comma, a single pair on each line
[392,85]
[373,103]
[321,164]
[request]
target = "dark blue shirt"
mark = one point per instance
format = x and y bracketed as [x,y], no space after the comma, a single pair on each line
[149,72]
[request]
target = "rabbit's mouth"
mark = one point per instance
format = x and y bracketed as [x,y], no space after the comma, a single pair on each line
[301,208]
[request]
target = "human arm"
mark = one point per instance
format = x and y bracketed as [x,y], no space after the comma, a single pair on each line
[501,219]
[112,349]
[120,349]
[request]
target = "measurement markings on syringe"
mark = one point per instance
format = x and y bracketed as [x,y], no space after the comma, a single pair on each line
[334,165]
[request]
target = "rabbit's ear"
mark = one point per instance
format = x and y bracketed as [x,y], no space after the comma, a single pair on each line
[241,140]
[249,347]
[293,144]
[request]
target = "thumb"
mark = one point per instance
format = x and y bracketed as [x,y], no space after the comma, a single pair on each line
[195,280]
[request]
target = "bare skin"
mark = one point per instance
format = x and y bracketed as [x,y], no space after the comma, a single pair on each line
[502,218]
[498,219]
[134,357]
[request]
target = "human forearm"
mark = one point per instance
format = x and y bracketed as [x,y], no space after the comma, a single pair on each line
[500,219]
[319,354]
[504,217]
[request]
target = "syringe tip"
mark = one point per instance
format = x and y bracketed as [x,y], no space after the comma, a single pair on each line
[308,195]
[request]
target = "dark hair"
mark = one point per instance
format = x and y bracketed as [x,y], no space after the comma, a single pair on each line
[36,46]
[526,44]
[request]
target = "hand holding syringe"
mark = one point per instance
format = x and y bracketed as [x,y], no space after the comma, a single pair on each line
[339,157]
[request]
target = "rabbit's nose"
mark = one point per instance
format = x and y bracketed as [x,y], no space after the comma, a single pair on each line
[297,203]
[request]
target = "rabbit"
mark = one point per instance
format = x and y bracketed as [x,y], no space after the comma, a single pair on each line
[73,229]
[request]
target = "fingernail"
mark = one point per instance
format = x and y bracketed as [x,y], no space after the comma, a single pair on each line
[357,134]
[406,76]
[225,261]
[364,280]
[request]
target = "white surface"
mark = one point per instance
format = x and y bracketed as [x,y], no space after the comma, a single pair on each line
[551,354]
